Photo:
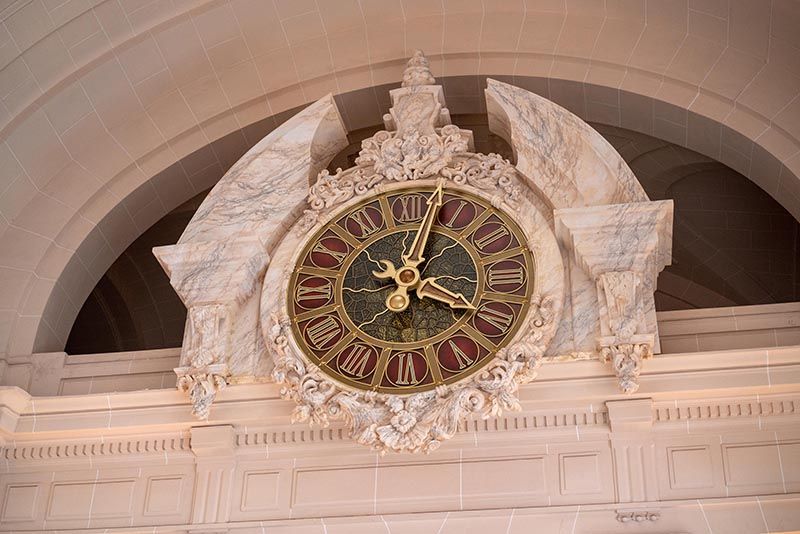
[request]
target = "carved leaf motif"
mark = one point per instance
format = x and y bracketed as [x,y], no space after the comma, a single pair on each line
[419,422]
[384,157]
[489,173]
[626,359]
[202,388]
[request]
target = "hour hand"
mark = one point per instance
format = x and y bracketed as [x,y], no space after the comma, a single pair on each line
[430,289]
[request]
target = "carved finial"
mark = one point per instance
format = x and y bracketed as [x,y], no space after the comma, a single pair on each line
[418,71]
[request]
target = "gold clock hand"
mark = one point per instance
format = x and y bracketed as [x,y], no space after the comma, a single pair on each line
[405,278]
[429,288]
[388,270]
[414,256]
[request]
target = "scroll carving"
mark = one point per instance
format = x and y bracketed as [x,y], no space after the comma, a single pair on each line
[202,386]
[626,360]
[207,338]
[418,422]
[624,348]
[490,173]
[384,157]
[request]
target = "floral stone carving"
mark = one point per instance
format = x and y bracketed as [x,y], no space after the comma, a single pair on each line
[414,423]
[626,360]
[202,386]
[420,422]
[418,149]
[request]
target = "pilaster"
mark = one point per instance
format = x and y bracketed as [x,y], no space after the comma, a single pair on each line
[214,450]
[633,449]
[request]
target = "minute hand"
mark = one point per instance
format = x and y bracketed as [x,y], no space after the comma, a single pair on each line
[430,289]
[414,256]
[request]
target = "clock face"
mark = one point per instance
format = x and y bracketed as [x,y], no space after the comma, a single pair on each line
[410,289]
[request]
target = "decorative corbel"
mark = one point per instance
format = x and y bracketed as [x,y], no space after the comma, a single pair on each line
[622,247]
[622,296]
[205,347]
[214,279]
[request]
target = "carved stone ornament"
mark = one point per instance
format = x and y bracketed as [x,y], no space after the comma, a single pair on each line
[205,347]
[418,71]
[414,423]
[622,247]
[638,516]
[421,148]
[384,157]
[202,386]
[626,360]
[623,307]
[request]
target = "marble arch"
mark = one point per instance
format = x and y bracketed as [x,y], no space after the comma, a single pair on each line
[114,93]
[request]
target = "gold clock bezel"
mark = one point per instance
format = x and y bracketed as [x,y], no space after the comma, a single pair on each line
[426,347]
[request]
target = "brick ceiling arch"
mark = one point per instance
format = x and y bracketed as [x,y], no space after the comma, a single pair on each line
[98,98]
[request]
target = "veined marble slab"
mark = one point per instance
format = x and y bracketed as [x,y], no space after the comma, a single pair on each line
[263,190]
[564,157]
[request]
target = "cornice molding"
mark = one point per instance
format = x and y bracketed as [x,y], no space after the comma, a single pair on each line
[743,373]
[729,387]
[575,420]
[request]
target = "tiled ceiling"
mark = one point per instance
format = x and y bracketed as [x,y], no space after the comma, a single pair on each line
[733,243]
[98,97]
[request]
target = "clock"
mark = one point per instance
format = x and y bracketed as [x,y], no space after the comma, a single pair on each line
[417,288]
[410,289]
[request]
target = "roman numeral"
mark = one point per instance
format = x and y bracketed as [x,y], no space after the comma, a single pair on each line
[452,221]
[461,357]
[406,374]
[322,332]
[410,208]
[501,277]
[364,222]
[305,293]
[500,320]
[320,247]
[355,363]
[491,237]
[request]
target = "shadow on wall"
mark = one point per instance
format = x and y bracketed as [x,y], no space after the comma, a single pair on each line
[133,307]
[733,244]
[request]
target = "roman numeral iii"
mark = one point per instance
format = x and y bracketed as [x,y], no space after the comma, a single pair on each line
[502,277]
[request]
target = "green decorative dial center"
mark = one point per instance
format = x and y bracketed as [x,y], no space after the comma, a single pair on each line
[364,295]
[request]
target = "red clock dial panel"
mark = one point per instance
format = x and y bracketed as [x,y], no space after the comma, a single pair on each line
[474,255]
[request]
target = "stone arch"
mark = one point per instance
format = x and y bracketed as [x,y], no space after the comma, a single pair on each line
[97,106]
